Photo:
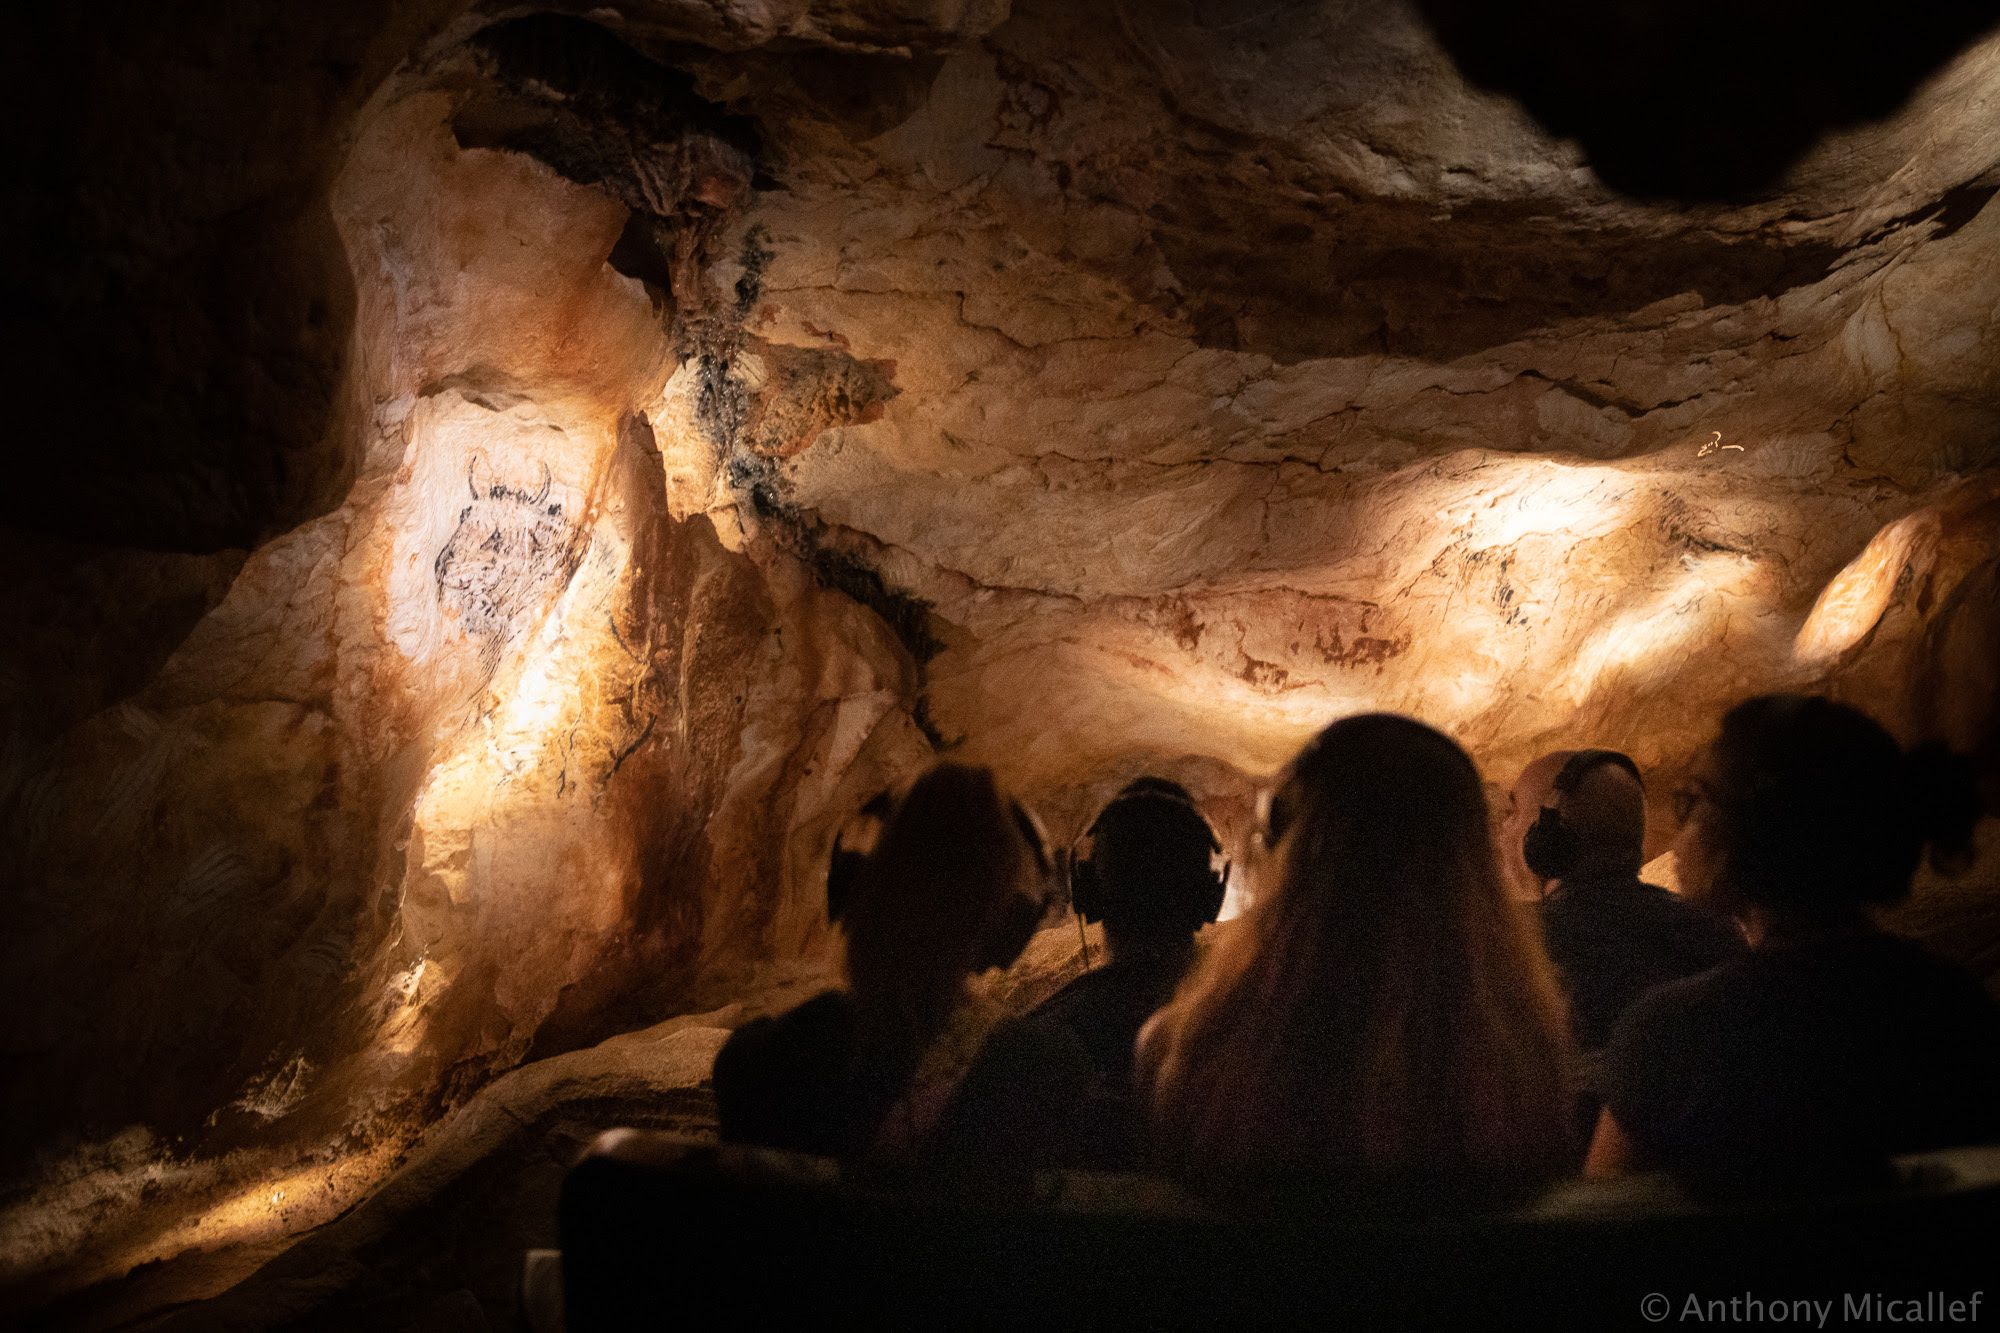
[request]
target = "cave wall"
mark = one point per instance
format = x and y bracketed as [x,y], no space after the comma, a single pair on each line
[503,750]
[1499,517]
[714,410]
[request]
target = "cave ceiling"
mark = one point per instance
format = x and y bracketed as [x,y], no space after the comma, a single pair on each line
[1225,365]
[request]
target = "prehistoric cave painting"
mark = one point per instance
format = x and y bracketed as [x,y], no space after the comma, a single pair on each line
[809,390]
[1505,590]
[513,549]
[710,333]
[1694,531]
[792,396]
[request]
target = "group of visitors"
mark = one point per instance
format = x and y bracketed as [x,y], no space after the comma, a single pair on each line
[1393,1014]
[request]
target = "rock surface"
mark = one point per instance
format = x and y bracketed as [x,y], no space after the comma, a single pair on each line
[706,411]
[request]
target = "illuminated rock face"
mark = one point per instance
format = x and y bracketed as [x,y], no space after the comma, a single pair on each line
[1330,392]
[1087,395]
[510,747]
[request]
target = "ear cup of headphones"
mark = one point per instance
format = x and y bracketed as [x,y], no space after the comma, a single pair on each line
[1022,915]
[1091,898]
[1011,935]
[1549,846]
[843,877]
[1085,896]
[851,847]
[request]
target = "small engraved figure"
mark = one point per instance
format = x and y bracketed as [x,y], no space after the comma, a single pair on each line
[512,549]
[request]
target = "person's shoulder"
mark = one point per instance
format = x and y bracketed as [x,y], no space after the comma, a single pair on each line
[1666,900]
[1078,1005]
[820,1029]
[1685,1006]
[1893,950]
[821,1022]
[1557,911]
[1662,896]
[829,1007]
[1065,995]
[1664,1046]
[1027,1040]
[1711,928]
[1598,903]
[777,1078]
[1916,964]
[1020,1060]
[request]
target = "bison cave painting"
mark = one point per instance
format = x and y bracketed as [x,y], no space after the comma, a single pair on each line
[512,549]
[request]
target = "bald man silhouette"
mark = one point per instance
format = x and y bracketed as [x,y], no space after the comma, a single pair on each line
[1612,936]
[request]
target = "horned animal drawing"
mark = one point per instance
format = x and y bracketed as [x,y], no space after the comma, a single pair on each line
[513,549]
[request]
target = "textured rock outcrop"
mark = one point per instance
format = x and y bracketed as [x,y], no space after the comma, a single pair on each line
[715,409]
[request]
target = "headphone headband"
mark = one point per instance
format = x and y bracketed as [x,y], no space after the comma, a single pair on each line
[1087,893]
[1550,847]
[1583,761]
[1153,789]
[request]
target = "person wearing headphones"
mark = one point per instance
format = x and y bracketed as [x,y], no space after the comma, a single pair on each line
[950,883]
[1579,822]
[1832,1043]
[1054,1087]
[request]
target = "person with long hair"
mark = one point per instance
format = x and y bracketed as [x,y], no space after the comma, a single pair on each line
[1831,1044]
[1384,1017]
[955,884]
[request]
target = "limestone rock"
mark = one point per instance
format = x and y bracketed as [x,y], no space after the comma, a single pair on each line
[605,446]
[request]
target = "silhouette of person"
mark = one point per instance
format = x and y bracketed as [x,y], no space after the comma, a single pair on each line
[953,886]
[1054,1087]
[1831,1043]
[1579,818]
[1383,1018]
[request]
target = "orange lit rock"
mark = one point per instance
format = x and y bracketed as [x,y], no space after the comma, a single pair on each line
[1091,391]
